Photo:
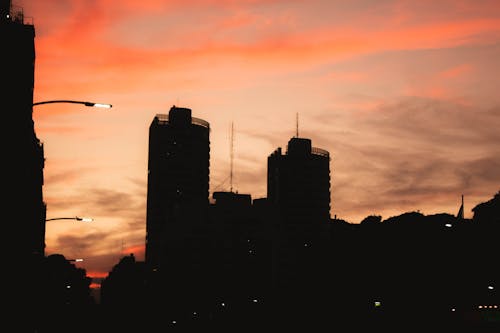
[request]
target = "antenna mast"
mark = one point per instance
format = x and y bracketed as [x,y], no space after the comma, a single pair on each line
[297,125]
[232,157]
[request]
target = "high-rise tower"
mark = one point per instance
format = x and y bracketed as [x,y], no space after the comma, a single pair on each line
[23,159]
[178,182]
[298,191]
[298,183]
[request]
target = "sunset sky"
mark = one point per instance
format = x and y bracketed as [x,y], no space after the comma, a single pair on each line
[405,95]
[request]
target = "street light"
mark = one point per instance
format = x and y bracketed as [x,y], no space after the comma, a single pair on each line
[90,104]
[75,260]
[77,218]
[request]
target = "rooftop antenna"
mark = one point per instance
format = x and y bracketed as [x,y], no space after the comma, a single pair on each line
[232,157]
[460,214]
[297,125]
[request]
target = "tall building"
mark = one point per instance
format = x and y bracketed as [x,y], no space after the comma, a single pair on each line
[23,159]
[178,183]
[298,183]
[298,192]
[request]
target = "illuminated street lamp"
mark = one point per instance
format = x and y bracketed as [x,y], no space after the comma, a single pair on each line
[90,104]
[75,260]
[77,218]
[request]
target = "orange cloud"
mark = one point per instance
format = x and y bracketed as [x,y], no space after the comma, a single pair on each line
[457,71]
[137,250]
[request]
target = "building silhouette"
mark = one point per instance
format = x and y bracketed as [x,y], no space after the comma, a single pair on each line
[298,183]
[298,193]
[24,156]
[178,183]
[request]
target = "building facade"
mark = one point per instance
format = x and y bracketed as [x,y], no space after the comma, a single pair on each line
[178,183]
[24,159]
[298,193]
[298,183]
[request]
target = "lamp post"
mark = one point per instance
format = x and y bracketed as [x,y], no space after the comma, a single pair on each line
[75,260]
[77,218]
[90,104]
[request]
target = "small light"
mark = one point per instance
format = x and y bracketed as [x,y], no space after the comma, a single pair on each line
[223,304]
[100,105]
[448,225]
[480,306]
[255,301]
[490,287]
[68,286]
[174,322]
[377,303]
[453,310]
[306,245]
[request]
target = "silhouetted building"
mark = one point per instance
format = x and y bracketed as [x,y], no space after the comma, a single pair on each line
[23,152]
[298,183]
[241,257]
[298,193]
[124,287]
[178,183]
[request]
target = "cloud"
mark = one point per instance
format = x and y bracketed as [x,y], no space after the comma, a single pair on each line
[419,153]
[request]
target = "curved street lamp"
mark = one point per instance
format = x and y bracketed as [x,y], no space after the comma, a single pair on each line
[90,104]
[77,218]
[75,260]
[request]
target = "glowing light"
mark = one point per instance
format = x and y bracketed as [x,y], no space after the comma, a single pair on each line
[377,303]
[100,105]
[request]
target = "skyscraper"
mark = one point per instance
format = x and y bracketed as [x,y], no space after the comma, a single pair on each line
[298,183]
[178,182]
[23,152]
[298,191]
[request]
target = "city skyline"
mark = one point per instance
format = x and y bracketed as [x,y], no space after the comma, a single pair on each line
[406,104]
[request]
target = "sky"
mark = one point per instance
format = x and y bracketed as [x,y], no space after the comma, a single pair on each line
[403,94]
